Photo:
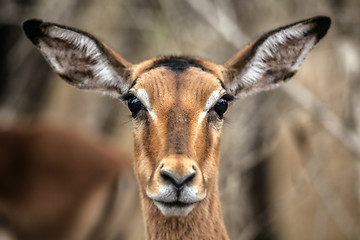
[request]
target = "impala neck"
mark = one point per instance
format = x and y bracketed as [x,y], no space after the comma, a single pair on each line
[204,222]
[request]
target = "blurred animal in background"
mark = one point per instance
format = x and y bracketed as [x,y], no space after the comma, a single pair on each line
[177,106]
[56,184]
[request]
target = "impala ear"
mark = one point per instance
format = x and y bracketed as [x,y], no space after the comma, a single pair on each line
[274,58]
[79,58]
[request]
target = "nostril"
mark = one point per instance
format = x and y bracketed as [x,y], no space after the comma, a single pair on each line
[187,179]
[177,182]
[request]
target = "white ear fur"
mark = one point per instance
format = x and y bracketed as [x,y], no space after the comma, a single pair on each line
[275,57]
[78,57]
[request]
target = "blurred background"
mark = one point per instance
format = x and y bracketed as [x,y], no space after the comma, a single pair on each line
[290,157]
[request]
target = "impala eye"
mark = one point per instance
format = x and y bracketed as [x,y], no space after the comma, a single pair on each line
[221,106]
[134,105]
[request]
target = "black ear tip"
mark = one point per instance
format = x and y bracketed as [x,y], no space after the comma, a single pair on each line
[32,29]
[323,21]
[321,25]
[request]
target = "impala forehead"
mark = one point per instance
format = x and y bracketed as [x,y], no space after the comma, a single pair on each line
[193,89]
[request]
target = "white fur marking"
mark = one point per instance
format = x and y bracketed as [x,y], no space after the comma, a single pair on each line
[144,98]
[167,194]
[214,97]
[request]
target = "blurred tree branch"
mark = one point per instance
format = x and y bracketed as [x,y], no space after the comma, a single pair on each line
[331,122]
[220,21]
[330,199]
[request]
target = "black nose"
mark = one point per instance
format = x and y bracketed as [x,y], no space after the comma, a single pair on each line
[178,183]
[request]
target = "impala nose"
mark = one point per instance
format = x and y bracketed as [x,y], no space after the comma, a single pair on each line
[179,183]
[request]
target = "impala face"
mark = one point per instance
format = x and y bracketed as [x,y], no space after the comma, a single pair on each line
[177,103]
[177,106]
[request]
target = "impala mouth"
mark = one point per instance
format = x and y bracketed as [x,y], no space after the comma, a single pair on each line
[175,209]
[175,204]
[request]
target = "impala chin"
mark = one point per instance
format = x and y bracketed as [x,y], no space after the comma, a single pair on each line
[175,209]
[173,202]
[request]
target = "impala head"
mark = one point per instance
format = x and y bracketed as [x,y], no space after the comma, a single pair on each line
[177,103]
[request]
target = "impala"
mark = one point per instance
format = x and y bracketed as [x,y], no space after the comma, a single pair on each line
[56,184]
[177,105]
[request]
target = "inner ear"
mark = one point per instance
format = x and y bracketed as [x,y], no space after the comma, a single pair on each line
[79,58]
[275,57]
